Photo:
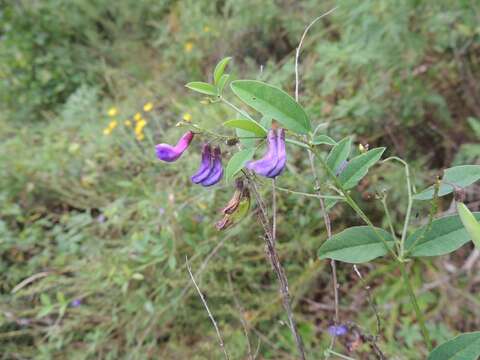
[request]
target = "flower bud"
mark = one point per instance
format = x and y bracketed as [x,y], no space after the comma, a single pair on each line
[169,153]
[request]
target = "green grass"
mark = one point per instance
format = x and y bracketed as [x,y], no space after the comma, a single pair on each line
[101,220]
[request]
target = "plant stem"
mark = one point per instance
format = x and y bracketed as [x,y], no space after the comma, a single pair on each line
[413,301]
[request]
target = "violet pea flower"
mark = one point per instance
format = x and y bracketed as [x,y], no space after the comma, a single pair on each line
[205,165]
[273,162]
[269,161]
[216,172]
[281,155]
[169,153]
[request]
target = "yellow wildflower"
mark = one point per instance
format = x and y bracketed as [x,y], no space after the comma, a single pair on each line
[187,117]
[137,117]
[188,46]
[107,131]
[127,123]
[113,124]
[148,107]
[139,127]
[140,137]
[112,111]
[206,29]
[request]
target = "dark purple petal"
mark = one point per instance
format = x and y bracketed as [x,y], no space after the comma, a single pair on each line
[268,162]
[337,330]
[205,165]
[281,154]
[169,153]
[216,173]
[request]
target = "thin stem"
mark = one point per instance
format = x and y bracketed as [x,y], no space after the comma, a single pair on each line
[352,202]
[413,300]
[219,335]
[341,356]
[237,109]
[277,268]
[389,220]
[309,194]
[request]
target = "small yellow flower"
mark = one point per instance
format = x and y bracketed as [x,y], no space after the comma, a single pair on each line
[148,107]
[188,46]
[112,111]
[113,124]
[206,29]
[140,137]
[137,117]
[187,117]
[127,123]
[107,131]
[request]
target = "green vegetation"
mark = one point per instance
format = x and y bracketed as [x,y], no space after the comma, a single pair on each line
[94,230]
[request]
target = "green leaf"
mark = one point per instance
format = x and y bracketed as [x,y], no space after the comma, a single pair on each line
[460,176]
[358,167]
[444,236]
[475,125]
[237,162]
[465,346]
[248,125]
[357,244]
[470,223]
[339,153]
[266,122]
[323,139]
[203,88]
[221,83]
[273,102]
[219,69]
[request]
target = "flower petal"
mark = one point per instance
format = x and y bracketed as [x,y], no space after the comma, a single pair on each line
[216,173]
[169,153]
[205,165]
[269,161]
[281,154]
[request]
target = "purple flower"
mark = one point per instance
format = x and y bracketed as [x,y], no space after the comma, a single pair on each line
[205,165]
[171,153]
[216,172]
[337,330]
[76,303]
[210,171]
[273,162]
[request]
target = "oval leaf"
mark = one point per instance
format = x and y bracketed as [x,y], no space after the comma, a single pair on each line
[470,223]
[219,69]
[247,125]
[273,102]
[339,153]
[463,347]
[459,176]
[323,139]
[202,87]
[221,83]
[356,245]
[237,162]
[358,167]
[444,236]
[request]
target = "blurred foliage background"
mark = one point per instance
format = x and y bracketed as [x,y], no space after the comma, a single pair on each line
[94,230]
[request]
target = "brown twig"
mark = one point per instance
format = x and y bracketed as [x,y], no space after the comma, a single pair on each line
[277,267]
[219,335]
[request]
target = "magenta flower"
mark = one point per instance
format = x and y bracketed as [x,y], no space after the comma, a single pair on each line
[273,162]
[169,153]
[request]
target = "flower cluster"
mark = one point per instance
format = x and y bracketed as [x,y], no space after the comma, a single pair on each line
[210,170]
[139,121]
